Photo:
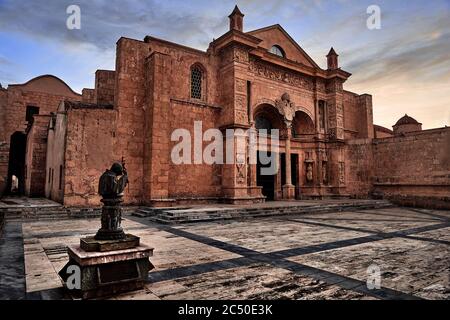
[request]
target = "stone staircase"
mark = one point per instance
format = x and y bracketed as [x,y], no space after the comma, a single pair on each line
[144,212]
[54,213]
[191,215]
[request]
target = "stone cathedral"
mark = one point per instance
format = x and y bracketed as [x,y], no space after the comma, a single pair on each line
[55,143]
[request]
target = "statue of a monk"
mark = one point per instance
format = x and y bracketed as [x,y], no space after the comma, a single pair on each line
[111,186]
[113,182]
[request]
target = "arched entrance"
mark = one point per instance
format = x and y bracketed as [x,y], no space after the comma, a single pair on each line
[266,119]
[16,166]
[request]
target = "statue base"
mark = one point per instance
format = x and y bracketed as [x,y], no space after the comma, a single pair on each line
[106,273]
[92,244]
[105,234]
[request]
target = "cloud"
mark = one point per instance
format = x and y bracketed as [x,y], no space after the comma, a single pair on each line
[405,65]
[418,56]
[104,22]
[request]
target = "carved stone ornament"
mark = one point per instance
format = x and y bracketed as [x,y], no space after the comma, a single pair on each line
[240,173]
[309,173]
[271,72]
[286,107]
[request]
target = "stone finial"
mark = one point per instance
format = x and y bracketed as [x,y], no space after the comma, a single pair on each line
[236,19]
[332,59]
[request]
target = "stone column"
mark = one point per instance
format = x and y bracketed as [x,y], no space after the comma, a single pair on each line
[288,188]
[316,114]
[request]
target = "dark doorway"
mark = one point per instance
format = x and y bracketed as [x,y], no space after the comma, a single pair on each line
[31,111]
[266,181]
[294,169]
[16,166]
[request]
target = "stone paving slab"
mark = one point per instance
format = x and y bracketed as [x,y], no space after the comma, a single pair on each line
[24,202]
[320,256]
[269,235]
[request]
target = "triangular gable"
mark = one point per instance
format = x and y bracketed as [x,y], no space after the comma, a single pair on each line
[276,35]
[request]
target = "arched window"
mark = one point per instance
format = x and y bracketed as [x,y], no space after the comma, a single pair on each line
[196,82]
[278,51]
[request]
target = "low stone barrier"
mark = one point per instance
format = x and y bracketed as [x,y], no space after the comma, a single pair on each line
[425,202]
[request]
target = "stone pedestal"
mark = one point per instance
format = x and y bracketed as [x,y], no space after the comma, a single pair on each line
[111,220]
[288,192]
[91,244]
[107,273]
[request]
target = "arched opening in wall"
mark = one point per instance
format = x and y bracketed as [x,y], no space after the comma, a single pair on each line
[16,166]
[277,50]
[303,125]
[267,118]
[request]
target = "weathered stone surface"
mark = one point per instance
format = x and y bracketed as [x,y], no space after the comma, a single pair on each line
[109,273]
[91,244]
[85,258]
[137,107]
[309,256]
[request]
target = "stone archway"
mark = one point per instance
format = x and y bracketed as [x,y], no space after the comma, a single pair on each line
[302,125]
[268,115]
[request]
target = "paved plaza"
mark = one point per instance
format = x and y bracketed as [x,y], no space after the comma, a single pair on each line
[308,256]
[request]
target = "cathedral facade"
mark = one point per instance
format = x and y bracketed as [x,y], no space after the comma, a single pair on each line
[260,80]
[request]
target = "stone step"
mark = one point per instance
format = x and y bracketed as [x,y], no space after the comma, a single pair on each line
[55,213]
[213,214]
[143,212]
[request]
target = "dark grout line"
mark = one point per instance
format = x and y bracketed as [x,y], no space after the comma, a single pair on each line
[276,259]
[400,234]
[381,213]
[318,274]
[437,241]
[370,220]
[186,271]
[437,216]
[320,224]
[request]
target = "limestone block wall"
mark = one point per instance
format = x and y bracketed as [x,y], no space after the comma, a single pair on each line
[36,153]
[4,143]
[359,167]
[358,116]
[56,141]
[19,98]
[105,82]
[130,104]
[4,156]
[88,153]
[88,96]
[415,165]
[196,180]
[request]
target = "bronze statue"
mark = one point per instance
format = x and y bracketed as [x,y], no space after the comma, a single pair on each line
[113,182]
[111,186]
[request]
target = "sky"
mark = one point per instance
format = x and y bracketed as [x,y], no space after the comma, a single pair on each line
[405,65]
